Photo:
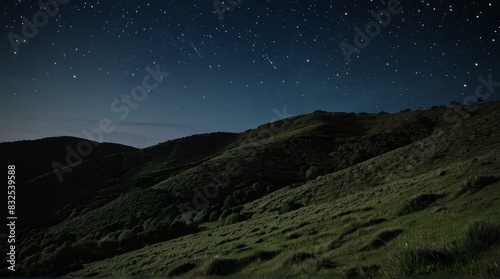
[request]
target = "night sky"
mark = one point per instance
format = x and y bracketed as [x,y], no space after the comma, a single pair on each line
[228,72]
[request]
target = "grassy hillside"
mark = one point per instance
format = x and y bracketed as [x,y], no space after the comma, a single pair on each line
[324,194]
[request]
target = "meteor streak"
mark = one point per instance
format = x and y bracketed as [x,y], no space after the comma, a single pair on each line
[272,64]
[195,49]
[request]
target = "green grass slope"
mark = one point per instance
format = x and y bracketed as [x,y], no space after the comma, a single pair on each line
[324,194]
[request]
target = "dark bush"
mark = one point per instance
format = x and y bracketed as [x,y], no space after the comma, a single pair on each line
[220,266]
[476,183]
[228,202]
[232,219]
[64,259]
[224,214]
[480,236]
[65,237]
[108,246]
[179,228]
[180,269]
[28,250]
[288,206]
[127,239]
[312,173]
[258,188]
[137,229]
[417,203]
[213,216]
[202,216]
[90,244]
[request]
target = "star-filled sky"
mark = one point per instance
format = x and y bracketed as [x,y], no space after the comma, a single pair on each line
[229,69]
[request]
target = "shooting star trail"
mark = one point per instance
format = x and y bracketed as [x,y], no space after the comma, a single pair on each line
[195,49]
[272,64]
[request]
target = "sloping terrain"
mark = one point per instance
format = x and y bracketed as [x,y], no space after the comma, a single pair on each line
[331,194]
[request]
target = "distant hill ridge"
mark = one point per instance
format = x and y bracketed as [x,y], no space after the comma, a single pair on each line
[34,157]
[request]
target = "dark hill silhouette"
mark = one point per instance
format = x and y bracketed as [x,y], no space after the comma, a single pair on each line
[34,157]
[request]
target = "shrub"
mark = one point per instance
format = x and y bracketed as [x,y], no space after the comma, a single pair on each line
[126,238]
[187,218]
[232,218]
[29,250]
[90,244]
[180,269]
[237,209]
[202,216]
[417,203]
[108,246]
[312,173]
[83,250]
[65,256]
[65,237]
[220,266]
[228,202]
[224,214]
[257,187]
[476,183]
[148,225]
[213,216]
[288,206]
[480,236]
[137,229]
[179,228]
